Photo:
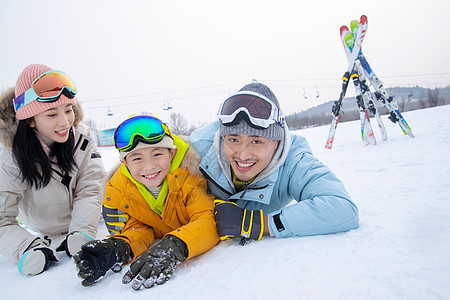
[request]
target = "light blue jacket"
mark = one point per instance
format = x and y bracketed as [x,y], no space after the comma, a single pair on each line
[301,197]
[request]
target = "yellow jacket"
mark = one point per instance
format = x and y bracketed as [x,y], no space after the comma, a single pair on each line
[188,209]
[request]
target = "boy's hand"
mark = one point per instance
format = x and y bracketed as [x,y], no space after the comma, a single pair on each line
[233,221]
[157,264]
[114,219]
[97,257]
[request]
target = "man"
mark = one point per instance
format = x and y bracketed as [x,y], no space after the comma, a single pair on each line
[257,169]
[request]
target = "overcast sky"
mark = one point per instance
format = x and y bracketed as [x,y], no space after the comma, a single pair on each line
[140,55]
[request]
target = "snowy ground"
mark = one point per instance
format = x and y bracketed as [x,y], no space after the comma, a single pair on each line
[400,251]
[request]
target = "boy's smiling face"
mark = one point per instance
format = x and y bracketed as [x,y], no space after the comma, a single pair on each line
[149,165]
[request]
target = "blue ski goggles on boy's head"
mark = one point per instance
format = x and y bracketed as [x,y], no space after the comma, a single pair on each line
[143,128]
[260,112]
[47,88]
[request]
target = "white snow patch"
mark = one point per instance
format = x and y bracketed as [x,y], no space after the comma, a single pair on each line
[400,251]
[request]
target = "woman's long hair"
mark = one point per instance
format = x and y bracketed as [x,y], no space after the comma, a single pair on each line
[33,162]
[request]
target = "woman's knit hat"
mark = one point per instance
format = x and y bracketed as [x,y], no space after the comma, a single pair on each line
[273,132]
[28,75]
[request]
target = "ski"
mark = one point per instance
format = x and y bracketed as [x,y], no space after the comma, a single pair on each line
[366,128]
[369,101]
[348,43]
[383,96]
[345,79]
[380,92]
[360,33]
[336,111]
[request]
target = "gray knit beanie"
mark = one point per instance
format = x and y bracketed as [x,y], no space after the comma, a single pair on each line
[273,132]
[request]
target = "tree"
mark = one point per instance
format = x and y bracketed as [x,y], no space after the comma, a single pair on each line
[422,100]
[433,97]
[401,104]
[179,125]
[91,124]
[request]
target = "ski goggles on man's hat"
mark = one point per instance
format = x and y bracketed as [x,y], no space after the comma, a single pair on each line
[47,88]
[142,128]
[260,111]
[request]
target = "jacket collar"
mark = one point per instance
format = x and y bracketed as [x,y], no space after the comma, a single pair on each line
[258,191]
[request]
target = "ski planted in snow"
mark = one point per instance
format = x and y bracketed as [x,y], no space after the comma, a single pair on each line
[336,111]
[369,101]
[367,97]
[380,92]
[366,128]
[345,79]
[383,96]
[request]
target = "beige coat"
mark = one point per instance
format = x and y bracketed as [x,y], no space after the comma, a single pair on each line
[56,209]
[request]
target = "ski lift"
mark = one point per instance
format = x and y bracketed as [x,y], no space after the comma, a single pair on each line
[167,106]
[304,94]
[317,93]
[109,112]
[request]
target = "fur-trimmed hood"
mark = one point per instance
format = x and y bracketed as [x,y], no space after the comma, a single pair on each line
[191,159]
[8,125]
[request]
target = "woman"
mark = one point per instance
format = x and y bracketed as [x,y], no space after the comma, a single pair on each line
[50,171]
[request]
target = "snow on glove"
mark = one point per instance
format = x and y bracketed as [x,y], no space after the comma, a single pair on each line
[99,256]
[234,221]
[114,219]
[157,264]
[38,258]
[73,242]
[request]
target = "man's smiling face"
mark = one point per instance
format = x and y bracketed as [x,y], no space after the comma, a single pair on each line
[248,155]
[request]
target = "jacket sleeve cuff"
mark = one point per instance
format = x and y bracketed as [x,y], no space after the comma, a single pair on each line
[278,225]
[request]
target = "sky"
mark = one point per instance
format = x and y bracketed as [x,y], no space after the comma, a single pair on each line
[400,250]
[137,55]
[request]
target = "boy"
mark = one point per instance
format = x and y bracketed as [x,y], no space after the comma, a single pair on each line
[158,186]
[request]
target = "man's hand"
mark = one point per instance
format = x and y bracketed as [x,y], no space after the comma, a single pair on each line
[99,256]
[157,264]
[233,221]
[114,219]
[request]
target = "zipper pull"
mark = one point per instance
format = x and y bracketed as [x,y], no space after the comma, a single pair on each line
[244,191]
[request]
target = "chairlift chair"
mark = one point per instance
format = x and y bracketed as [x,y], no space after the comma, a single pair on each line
[167,106]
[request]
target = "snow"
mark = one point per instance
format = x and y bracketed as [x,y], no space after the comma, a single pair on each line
[400,251]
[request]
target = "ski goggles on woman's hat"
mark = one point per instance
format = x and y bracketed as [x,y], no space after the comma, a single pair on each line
[47,88]
[143,128]
[260,110]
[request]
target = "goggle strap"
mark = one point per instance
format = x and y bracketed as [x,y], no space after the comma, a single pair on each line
[137,136]
[276,116]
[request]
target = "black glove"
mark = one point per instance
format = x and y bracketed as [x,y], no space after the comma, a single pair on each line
[97,257]
[114,219]
[234,221]
[157,264]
